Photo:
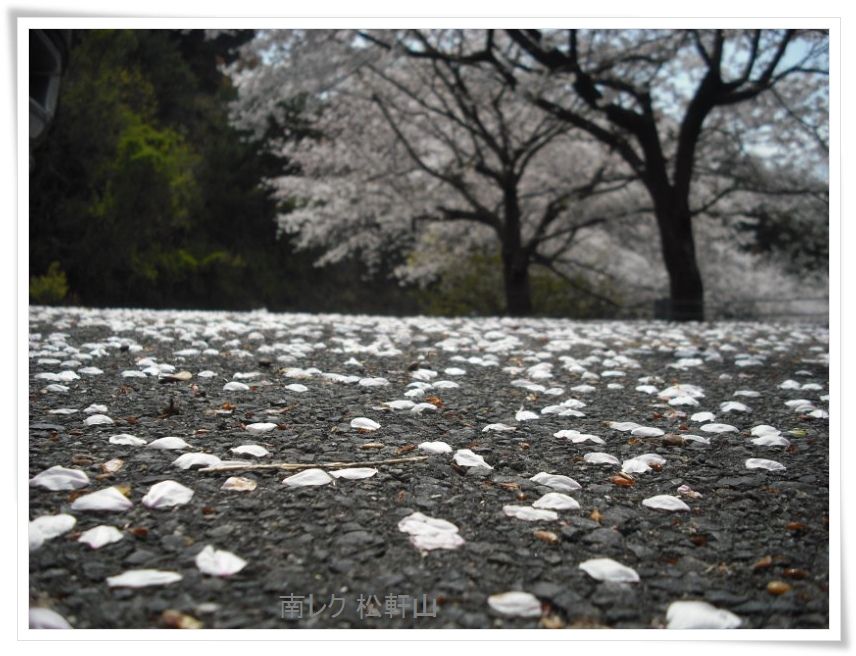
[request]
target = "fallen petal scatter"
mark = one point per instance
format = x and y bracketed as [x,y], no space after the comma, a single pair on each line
[520,472]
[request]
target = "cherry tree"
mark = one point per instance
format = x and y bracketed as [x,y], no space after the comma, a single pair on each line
[686,110]
[432,156]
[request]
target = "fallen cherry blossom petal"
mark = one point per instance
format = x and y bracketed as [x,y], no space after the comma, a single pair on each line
[515,604]
[498,427]
[435,447]
[251,449]
[428,533]
[170,442]
[140,578]
[606,569]
[308,477]
[353,473]
[127,440]
[556,481]
[699,615]
[556,501]
[259,428]
[218,563]
[598,458]
[665,502]
[718,428]
[188,460]
[101,535]
[51,526]
[761,463]
[364,423]
[46,618]
[647,431]
[107,500]
[97,420]
[239,484]
[167,494]
[60,478]
[466,458]
[530,514]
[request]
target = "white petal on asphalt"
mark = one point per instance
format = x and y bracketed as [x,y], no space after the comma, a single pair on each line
[46,618]
[60,478]
[435,447]
[107,500]
[124,439]
[703,416]
[239,484]
[259,428]
[734,406]
[719,428]
[297,388]
[576,437]
[635,466]
[623,426]
[770,439]
[308,477]
[364,423]
[515,604]
[529,513]
[687,491]
[429,533]
[765,429]
[598,458]
[525,415]
[141,578]
[699,615]
[419,408]
[188,460]
[51,526]
[683,400]
[556,481]
[219,563]
[647,431]
[761,463]
[466,458]
[695,438]
[170,442]
[95,408]
[399,404]
[235,386]
[498,427]
[446,384]
[556,501]
[606,569]
[665,502]
[167,494]
[353,473]
[251,449]
[97,420]
[101,535]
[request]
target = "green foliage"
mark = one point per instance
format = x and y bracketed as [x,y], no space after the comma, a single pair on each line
[50,288]
[149,197]
[475,287]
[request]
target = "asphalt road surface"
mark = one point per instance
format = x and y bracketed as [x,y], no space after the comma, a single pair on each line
[751,542]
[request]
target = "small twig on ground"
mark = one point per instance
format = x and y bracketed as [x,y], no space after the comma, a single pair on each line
[294,466]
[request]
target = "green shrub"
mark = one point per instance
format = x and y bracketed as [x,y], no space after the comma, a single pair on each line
[475,287]
[50,288]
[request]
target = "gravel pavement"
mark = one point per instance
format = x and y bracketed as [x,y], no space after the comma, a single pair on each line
[754,542]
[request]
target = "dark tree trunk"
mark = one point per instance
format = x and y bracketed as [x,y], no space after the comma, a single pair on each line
[515,258]
[515,273]
[686,290]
